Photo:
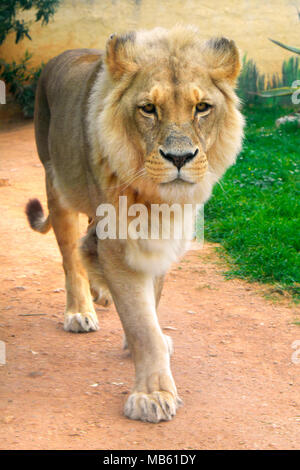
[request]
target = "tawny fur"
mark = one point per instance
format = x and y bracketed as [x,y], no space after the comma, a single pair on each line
[98,143]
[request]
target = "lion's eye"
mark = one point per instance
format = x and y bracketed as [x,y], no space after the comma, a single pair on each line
[148,108]
[202,107]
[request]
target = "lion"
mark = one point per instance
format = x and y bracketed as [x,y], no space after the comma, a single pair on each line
[154,118]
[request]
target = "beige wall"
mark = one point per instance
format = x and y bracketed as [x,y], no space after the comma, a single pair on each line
[79,23]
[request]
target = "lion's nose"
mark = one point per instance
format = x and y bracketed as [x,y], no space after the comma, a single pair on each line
[179,159]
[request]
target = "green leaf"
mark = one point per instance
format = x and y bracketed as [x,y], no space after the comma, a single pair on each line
[284,91]
[289,48]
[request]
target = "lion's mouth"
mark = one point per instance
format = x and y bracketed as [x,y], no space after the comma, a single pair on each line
[179,180]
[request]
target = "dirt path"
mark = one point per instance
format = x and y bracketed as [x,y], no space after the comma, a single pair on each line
[233,348]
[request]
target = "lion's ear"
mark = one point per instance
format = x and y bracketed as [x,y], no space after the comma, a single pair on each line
[222,58]
[120,54]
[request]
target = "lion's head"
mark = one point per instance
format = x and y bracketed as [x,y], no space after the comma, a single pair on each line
[166,116]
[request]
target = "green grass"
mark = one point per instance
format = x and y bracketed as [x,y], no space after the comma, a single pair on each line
[255,212]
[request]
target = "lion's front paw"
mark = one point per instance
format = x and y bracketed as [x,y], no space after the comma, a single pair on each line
[101,296]
[81,322]
[152,407]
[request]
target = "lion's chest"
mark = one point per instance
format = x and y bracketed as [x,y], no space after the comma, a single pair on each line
[154,257]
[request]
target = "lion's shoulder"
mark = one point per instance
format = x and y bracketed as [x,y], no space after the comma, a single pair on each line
[72,68]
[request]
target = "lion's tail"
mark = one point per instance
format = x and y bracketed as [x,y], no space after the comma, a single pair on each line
[36,217]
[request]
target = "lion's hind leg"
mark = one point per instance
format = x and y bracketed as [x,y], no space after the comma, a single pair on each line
[89,256]
[80,315]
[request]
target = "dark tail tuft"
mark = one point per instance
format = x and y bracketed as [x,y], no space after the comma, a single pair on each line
[36,217]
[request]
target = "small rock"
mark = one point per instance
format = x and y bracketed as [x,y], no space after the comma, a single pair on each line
[289,118]
[37,373]
[191,312]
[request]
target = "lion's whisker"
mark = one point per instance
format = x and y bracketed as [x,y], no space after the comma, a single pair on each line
[218,182]
[131,178]
[134,178]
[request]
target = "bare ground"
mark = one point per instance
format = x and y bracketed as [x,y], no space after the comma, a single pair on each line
[233,347]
